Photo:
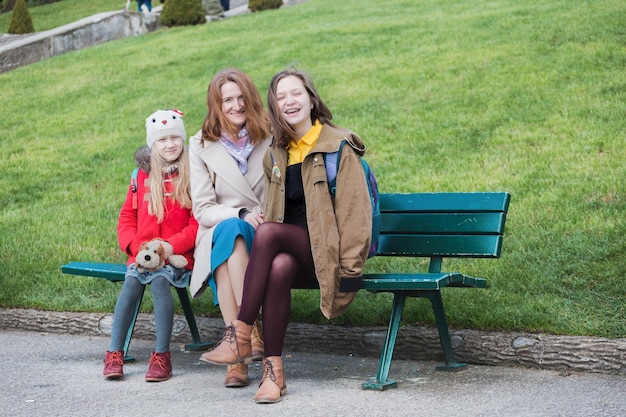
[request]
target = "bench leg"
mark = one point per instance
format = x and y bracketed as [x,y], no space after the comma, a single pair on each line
[444,335]
[380,382]
[129,333]
[197,343]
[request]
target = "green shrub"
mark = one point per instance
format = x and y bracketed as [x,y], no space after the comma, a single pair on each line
[182,12]
[6,5]
[21,22]
[258,5]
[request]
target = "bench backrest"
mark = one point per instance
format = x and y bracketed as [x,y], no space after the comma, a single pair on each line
[443,224]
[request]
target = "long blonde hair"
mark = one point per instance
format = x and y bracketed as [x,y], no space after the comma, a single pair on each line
[182,189]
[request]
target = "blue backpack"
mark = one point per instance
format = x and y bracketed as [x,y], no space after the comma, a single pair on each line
[331,160]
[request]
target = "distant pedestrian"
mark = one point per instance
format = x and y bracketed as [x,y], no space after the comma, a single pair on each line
[147,3]
[157,209]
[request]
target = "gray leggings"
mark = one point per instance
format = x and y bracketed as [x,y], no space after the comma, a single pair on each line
[125,308]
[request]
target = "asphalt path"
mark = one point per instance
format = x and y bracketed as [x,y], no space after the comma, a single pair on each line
[51,374]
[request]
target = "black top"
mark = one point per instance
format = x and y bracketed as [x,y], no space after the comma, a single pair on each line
[295,206]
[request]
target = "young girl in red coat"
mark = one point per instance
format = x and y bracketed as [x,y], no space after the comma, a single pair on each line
[158,209]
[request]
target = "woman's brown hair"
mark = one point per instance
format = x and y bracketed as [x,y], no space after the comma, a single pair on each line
[257,124]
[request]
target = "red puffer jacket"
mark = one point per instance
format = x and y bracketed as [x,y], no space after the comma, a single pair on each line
[136,226]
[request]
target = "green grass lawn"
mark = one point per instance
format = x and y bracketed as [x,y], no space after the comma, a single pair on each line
[449,95]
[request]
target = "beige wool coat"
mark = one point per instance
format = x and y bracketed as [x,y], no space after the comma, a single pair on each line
[340,231]
[219,191]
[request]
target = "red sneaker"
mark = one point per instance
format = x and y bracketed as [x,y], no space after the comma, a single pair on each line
[113,364]
[160,367]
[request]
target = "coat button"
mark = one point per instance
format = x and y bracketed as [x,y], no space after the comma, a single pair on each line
[315,159]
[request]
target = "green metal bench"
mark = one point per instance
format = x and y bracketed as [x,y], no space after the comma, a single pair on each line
[435,226]
[115,273]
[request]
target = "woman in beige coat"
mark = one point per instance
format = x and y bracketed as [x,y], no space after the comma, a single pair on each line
[308,239]
[226,163]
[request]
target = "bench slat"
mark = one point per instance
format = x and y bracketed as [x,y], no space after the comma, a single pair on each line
[443,223]
[423,281]
[112,272]
[458,246]
[446,202]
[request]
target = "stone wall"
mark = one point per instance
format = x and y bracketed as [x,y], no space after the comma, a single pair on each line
[16,51]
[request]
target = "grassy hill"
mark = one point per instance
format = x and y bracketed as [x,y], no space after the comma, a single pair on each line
[453,95]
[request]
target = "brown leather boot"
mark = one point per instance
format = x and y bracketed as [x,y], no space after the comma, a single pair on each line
[237,376]
[235,347]
[273,384]
[258,348]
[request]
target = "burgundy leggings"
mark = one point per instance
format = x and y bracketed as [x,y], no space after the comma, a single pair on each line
[280,258]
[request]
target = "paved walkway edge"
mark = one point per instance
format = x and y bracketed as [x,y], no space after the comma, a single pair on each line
[541,351]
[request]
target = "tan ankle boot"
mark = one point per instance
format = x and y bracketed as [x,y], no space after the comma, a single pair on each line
[237,376]
[258,348]
[235,347]
[273,384]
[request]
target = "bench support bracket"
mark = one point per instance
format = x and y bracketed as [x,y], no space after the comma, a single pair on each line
[380,382]
[197,343]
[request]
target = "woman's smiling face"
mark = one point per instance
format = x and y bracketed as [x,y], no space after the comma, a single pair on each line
[233,104]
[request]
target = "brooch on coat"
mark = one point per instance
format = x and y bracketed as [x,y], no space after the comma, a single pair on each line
[275,169]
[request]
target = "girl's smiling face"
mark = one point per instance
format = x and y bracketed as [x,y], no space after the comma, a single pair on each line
[294,104]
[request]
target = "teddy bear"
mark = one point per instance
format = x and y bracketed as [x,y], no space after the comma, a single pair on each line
[151,257]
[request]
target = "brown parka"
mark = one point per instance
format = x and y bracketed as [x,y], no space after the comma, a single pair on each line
[340,230]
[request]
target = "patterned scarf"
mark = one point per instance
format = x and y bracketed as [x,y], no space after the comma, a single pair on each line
[240,154]
[170,167]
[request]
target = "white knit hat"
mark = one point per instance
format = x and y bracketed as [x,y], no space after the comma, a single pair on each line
[164,123]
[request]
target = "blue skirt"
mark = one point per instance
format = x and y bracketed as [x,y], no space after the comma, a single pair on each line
[224,237]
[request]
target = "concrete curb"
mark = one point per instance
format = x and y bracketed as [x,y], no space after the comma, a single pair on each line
[540,351]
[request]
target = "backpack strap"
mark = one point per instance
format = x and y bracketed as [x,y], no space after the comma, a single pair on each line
[331,160]
[134,186]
